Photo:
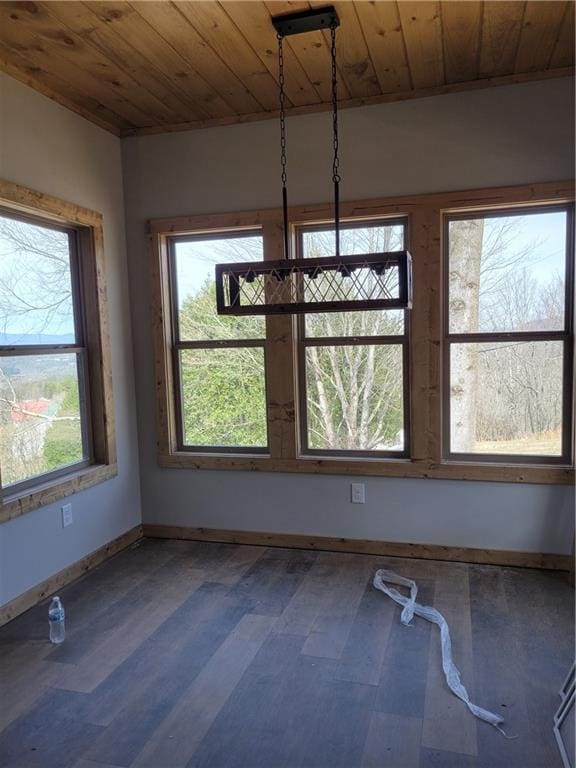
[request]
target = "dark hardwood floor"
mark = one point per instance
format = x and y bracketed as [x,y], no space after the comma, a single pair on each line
[182,654]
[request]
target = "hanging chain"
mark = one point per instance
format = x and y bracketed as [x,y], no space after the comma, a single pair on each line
[336,160]
[283,139]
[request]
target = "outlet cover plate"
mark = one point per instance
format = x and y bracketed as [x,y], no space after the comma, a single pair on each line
[357,493]
[67,518]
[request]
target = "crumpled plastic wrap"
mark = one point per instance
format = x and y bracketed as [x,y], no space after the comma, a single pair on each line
[410,607]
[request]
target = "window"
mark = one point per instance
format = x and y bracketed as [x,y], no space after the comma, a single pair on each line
[218,361]
[474,382]
[56,424]
[44,427]
[508,335]
[354,365]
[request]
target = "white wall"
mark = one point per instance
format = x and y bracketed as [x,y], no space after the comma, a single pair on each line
[52,150]
[502,136]
[496,137]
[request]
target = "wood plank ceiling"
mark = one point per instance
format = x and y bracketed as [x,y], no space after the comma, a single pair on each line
[146,67]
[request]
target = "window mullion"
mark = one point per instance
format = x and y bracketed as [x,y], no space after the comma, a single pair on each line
[77,292]
[219,344]
[85,403]
[280,363]
[568,400]
[352,341]
[503,336]
[425,335]
[40,349]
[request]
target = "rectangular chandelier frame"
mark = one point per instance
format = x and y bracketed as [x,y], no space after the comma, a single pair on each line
[328,284]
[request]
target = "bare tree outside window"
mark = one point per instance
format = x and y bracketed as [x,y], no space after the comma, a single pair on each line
[354,392]
[507,332]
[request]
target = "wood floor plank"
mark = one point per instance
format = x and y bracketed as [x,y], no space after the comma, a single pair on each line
[536,608]
[167,662]
[136,622]
[302,697]
[196,657]
[295,714]
[402,687]
[25,676]
[105,602]
[232,568]
[328,743]
[185,641]
[216,560]
[258,699]
[364,652]
[311,596]
[393,741]
[499,674]
[448,724]
[270,583]
[438,758]
[175,741]
[17,656]
[20,694]
[44,740]
[104,585]
[329,633]
[173,668]
[202,555]
[107,622]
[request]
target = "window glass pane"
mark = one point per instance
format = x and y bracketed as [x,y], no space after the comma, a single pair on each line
[355,397]
[223,397]
[36,304]
[506,398]
[364,238]
[196,287]
[40,416]
[373,238]
[507,273]
[389,322]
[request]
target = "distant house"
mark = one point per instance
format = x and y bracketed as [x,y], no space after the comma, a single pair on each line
[30,429]
[22,411]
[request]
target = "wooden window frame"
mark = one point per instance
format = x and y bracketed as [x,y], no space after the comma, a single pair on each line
[36,207]
[179,344]
[565,336]
[304,342]
[425,224]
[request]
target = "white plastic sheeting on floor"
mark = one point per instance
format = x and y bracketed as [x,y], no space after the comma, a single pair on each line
[411,607]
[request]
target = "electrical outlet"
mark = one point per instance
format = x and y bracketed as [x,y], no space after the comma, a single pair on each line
[357,495]
[67,518]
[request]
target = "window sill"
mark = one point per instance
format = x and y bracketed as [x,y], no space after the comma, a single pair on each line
[50,492]
[377,467]
[543,474]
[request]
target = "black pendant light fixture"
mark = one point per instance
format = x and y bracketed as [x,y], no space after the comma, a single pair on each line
[331,284]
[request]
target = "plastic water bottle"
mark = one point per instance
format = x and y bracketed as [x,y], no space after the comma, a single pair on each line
[56,621]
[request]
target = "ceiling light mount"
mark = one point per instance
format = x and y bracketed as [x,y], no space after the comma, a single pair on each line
[306,21]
